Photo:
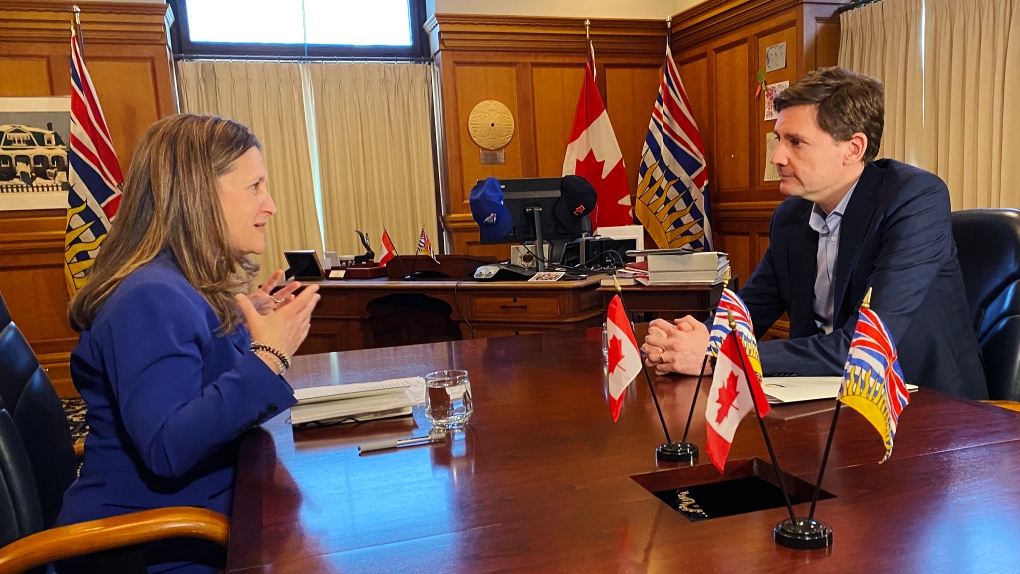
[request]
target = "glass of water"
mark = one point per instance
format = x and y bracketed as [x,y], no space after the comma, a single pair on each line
[448,399]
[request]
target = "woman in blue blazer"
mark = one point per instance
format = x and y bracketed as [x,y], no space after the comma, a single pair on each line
[175,360]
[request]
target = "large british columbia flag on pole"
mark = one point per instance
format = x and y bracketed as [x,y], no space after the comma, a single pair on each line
[672,192]
[93,173]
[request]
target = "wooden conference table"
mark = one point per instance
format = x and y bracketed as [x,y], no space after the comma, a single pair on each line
[544,481]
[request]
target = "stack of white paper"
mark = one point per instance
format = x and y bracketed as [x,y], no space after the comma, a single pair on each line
[358,401]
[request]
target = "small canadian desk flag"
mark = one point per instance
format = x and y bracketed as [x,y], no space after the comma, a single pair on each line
[729,399]
[624,359]
[388,251]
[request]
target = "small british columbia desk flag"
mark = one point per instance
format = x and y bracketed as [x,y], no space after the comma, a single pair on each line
[425,246]
[731,305]
[872,379]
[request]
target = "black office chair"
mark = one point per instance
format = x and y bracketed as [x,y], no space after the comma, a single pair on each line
[30,399]
[37,464]
[988,246]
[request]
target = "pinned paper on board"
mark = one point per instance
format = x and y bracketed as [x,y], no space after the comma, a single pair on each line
[771,141]
[771,91]
[775,57]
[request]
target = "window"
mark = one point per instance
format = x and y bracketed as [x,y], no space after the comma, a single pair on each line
[312,29]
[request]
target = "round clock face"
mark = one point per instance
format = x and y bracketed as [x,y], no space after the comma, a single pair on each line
[490,124]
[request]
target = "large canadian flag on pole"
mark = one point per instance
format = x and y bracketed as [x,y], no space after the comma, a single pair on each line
[594,154]
[622,355]
[729,399]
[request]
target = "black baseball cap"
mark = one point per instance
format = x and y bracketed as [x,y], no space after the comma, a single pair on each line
[577,199]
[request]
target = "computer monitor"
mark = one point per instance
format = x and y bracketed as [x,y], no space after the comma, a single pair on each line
[304,264]
[531,203]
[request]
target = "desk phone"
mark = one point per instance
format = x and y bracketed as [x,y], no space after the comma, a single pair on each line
[503,272]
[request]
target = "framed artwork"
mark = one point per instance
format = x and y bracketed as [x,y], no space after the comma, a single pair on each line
[34,136]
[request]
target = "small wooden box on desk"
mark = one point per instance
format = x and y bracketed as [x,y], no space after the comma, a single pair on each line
[384,312]
[668,301]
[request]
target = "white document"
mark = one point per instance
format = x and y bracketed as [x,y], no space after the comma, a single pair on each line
[784,390]
[354,390]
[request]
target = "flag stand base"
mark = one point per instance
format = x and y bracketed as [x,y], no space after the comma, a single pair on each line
[804,534]
[677,452]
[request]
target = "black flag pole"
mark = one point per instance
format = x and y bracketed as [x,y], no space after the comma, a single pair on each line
[669,451]
[761,421]
[414,261]
[395,254]
[796,533]
[704,363]
[694,401]
[866,304]
[825,460]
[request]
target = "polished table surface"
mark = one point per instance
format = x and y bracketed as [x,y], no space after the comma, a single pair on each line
[541,481]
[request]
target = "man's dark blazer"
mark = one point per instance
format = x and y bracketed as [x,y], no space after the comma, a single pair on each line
[896,237]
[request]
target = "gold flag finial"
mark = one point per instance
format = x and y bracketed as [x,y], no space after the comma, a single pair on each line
[729,317]
[616,283]
[866,304]
[726,278]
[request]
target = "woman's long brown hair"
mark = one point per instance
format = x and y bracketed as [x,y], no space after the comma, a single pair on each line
[171,200]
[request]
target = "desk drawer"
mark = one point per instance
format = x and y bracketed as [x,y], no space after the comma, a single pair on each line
[515,308]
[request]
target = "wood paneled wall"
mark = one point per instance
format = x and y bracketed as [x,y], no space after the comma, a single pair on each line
[719,47]
[128,58]
[535,66]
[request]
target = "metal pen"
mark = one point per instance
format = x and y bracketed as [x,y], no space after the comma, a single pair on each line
[399,442]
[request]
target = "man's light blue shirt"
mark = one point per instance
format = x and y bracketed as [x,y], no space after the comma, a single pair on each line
[827,227]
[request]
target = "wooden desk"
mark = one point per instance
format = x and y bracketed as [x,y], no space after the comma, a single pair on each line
[668,301]
[542,479]
[372,313]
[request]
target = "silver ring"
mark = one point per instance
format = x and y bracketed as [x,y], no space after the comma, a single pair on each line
[278,301]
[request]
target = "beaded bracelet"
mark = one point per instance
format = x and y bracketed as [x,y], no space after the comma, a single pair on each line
[280,355]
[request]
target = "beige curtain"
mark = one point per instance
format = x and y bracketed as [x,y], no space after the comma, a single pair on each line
[374,135]
[267,97]
[883,40]
[972,82]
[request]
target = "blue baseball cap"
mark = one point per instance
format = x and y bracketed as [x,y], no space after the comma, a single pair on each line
[487,209]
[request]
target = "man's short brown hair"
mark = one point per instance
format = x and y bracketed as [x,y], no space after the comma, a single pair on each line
[847,103]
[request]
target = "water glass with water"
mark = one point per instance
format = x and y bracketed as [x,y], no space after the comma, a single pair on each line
[448,399]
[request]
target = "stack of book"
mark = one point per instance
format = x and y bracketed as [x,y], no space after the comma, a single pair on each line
[674,267]
[355,402]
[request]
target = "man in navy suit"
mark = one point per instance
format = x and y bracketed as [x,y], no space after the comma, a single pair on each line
[849,223]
